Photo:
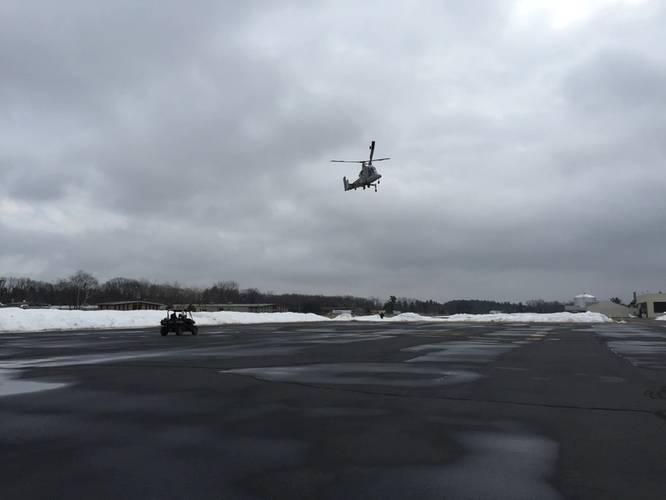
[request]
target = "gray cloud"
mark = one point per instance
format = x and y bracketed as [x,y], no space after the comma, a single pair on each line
[191,144]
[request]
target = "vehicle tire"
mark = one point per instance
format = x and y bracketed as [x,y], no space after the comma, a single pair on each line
[178,331]
[195,330]
[164,331]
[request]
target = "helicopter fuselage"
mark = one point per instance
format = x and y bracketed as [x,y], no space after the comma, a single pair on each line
[368,176]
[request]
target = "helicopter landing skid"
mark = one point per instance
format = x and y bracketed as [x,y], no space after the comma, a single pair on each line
[349,187]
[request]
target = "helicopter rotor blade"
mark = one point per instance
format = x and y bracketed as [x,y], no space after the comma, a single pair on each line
[348,161]
[372,150]
[381,159]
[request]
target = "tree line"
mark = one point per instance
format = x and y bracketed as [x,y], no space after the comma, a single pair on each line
[82,288]
[469,306]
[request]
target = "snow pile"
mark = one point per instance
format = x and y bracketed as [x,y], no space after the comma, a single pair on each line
[344,317]
[560,317]
[231,317]
[661,318]
[14,319]
[400,318]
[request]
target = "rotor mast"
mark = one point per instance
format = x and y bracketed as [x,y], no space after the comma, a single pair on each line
[364,162]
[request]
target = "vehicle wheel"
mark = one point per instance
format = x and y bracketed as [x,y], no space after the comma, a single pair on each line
[164,331]
[178,331]
[195,330]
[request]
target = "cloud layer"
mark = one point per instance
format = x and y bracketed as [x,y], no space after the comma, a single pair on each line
[191,144]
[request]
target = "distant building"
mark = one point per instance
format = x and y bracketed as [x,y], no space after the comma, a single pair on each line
[581,303]
[23,304]
[612,310]
[583,300]
[588,302]
[129,305]
[651,305]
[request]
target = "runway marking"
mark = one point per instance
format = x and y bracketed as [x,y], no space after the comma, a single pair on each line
[624,332]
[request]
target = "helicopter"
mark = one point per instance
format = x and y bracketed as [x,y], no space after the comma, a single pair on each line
[368,176]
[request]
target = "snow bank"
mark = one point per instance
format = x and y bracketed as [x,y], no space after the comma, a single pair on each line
[400,318]
[661,318]
[562,317]
[14,319]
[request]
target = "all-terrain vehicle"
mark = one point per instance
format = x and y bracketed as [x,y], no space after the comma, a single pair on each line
[178,321]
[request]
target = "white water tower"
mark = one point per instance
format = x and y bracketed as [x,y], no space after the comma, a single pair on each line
[583,300]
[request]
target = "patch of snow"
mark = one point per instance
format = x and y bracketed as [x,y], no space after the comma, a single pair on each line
[344,317]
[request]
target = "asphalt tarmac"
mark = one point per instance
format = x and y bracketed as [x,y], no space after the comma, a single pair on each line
[336,411]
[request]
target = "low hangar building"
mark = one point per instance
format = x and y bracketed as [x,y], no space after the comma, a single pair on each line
[651,305]
[129,305]
[612,310]
[255,308]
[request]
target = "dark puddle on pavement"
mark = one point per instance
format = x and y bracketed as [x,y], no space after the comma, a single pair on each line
[494,464]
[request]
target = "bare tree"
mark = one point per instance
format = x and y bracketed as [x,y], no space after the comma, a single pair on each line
[84,283]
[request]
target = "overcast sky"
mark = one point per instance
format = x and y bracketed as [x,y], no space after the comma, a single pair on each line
[189,142]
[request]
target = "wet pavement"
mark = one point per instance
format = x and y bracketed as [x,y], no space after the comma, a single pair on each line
[346,410]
